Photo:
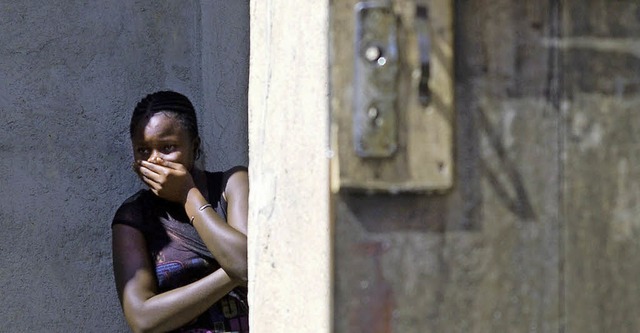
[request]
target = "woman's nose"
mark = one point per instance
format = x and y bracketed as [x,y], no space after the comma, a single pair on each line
[153,156]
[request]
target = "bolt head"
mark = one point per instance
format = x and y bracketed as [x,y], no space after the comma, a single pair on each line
[372,53]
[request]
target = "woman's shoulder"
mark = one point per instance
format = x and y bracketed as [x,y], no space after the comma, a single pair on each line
[230,172]
[131,211]
[236,168]
[139,198]
[220,178]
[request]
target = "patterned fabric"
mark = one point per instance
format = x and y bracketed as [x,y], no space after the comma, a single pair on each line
[181,257]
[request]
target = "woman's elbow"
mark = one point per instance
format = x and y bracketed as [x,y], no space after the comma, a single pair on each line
[238,272]
[243,275]
[138,326]
[139,322]
[236,267]
[142,326]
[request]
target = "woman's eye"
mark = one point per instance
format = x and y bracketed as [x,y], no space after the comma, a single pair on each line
[168,148]
[142,151]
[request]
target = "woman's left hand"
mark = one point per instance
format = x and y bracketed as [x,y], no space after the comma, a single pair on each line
[168,180]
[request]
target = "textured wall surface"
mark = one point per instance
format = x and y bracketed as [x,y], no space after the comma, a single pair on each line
[540,232]
[289,234]
[70,74]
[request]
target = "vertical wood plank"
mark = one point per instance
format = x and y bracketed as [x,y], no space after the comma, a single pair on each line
[601,64]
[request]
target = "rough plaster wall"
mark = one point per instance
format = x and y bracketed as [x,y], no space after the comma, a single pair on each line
[70,73]
[289,271]
[225,72]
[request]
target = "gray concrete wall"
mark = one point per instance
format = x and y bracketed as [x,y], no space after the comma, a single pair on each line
[70,74]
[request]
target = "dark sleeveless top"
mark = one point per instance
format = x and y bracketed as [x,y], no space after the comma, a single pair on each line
[179,254]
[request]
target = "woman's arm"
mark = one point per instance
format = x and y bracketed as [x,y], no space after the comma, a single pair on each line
[227,241]
[147,311]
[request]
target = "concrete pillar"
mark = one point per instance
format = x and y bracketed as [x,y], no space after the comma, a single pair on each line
[289,232]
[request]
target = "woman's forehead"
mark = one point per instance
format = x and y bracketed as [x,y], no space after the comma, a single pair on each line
[160,125]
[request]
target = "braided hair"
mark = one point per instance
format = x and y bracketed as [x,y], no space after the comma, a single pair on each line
[172,103]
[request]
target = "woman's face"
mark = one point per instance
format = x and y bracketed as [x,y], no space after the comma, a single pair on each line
[163,137]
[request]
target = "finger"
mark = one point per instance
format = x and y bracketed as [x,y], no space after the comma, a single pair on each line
[154,186]
[170,165]
[136,167]
[155,168]
[151,174]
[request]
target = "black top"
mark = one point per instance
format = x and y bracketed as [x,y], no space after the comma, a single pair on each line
[180,256]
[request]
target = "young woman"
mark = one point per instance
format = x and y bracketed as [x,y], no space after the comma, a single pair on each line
[180,246]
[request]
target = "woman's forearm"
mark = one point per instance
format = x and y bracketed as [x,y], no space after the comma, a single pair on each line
[228,245]
[177,307]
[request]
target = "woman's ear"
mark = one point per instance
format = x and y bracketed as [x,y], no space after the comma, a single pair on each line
[196,147]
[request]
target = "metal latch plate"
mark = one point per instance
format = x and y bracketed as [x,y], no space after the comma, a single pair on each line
[375,81]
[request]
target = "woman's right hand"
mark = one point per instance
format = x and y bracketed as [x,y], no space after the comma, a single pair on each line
[168,180]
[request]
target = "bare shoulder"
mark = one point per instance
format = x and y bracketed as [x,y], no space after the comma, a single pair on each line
[237,196]
[238,181]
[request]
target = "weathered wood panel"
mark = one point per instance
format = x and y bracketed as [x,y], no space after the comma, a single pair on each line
[540,233]
[422,156]
[601,68]
[484,257]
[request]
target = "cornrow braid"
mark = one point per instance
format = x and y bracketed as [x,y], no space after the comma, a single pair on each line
[171,102]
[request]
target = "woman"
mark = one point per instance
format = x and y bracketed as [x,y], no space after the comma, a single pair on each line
[180,246]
